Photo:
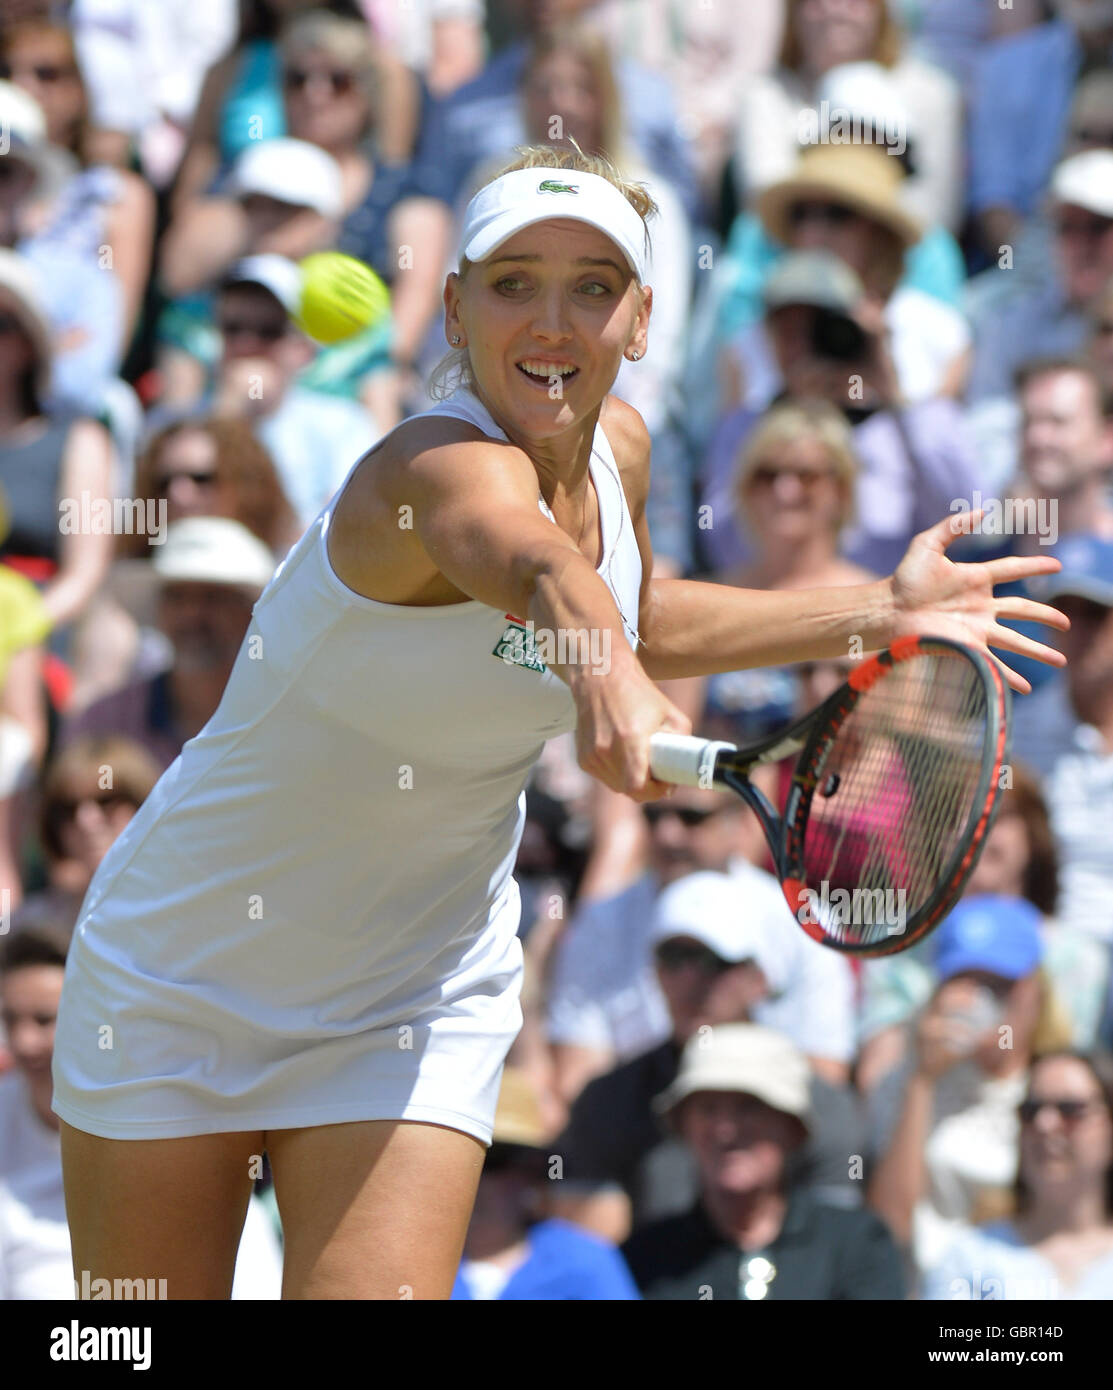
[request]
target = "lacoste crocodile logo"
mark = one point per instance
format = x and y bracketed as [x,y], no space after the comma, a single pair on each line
[553,186]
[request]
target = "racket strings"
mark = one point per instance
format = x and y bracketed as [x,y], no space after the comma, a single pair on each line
[896,789]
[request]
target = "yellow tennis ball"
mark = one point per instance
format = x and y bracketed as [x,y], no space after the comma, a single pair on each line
[340,297]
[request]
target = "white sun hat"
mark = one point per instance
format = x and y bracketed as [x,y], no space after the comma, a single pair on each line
[213,550]
[526,196]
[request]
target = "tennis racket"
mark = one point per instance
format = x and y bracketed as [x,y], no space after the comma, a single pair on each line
[895,787]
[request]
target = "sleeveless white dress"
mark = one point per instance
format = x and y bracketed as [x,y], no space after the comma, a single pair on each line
[312,919]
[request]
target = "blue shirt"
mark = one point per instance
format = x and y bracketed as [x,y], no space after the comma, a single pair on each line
[564,1263]
[1015,139]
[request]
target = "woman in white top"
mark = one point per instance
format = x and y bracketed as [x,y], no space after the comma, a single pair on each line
[1059,1245]
[305,942]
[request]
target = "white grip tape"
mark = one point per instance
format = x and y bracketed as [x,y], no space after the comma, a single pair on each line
[689,762]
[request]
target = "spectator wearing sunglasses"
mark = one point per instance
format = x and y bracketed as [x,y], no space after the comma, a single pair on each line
[725,950]
[101,207]
[241,99]
[741,1106]
[335,98]
[90,791]
[912,458]
[1058,1242]
[793,495]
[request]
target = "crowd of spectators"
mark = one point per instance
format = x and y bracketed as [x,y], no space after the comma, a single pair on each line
[882,272]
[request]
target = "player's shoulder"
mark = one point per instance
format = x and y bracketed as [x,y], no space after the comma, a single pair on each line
[442,446]
[629,439]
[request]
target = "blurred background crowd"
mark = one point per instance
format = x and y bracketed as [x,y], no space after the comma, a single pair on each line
[883,288]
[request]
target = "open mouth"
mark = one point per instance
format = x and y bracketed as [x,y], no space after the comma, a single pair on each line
[543,373]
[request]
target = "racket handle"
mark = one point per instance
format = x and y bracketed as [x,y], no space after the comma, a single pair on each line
[689,762]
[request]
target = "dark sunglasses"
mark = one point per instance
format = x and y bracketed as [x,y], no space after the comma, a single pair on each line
[686,815]
[766,475]
[166,480]
[677,955]
[236,328]
[1093,228]
[42,72]
[65,808]
[833,214]
[297,79]
[1069,1110]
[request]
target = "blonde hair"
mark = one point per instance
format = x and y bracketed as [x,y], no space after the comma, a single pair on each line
[348,42]
[453,371]
[593,51]
[788,424]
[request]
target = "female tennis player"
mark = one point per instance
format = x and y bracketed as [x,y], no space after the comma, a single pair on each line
[305,942]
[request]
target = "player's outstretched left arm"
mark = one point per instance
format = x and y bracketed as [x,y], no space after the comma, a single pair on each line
[692,628]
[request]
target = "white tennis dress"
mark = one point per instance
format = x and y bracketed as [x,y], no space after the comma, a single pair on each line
[312,917]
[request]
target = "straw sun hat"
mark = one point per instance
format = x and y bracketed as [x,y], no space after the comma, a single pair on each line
[862,177]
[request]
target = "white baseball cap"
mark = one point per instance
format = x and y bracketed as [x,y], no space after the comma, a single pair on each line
[290,171]
[745,1058]
[277,274]
[708,907]
[213,550]
[526,196]
[867,90]
[1086,181]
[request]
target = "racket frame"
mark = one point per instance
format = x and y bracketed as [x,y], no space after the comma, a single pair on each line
[809,738]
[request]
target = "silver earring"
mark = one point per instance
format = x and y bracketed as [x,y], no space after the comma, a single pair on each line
[634,356]
[455,339]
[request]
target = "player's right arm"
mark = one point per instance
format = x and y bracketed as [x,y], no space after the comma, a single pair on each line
[442,514]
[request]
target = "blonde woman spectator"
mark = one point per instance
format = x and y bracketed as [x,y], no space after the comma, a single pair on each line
[241,97]
[820,36]
[794,495]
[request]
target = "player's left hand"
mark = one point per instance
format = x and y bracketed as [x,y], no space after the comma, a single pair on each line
[935,597]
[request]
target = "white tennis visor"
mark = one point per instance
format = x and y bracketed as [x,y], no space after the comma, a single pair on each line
[525,196]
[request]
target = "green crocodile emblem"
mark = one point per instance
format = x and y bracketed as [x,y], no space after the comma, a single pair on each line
[552,186]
